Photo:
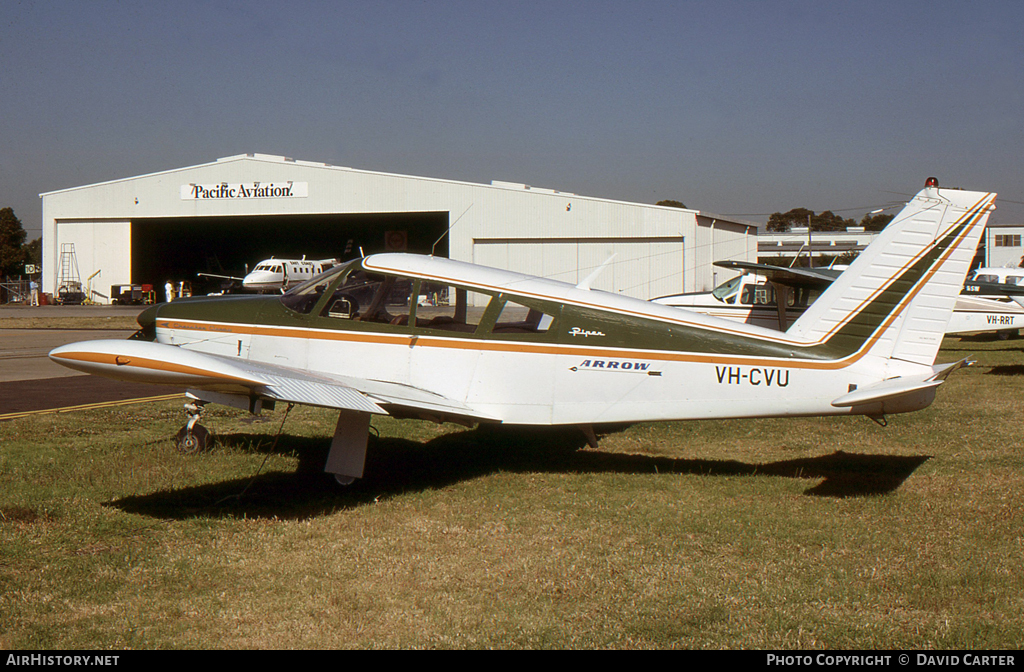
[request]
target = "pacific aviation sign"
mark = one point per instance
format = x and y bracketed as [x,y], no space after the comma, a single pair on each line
[244,191]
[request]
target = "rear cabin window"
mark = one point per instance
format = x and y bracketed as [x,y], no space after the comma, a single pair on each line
[516,318]
[764,295]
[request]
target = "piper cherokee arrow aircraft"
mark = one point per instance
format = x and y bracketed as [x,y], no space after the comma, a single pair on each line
[277,275]
[490,345]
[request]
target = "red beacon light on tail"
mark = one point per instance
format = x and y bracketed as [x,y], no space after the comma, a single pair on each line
[931,182]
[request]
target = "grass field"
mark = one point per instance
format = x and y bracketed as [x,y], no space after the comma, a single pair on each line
[789,533]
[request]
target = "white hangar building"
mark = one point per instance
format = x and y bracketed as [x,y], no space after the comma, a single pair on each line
[230,214]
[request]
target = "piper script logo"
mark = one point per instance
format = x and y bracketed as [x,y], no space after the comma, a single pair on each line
[576,331]
[244,190]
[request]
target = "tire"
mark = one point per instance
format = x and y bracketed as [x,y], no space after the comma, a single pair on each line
[197,441]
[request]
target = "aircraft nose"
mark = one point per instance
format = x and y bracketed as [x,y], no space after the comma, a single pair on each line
[147,318]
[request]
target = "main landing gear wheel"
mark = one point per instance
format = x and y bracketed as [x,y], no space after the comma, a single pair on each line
[193,441]
[193,438]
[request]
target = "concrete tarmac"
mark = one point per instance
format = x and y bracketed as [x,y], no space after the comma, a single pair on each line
[23,351]
[30,381]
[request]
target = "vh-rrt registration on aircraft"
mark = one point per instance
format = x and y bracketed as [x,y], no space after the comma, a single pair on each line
[517,349]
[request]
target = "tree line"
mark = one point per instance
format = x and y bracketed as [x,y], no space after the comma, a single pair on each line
[782,222]
[14,251]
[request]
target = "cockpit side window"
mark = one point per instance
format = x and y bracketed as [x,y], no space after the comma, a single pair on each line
[449,308]
[758,295]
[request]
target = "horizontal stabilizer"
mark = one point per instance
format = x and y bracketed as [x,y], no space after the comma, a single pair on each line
[893,388]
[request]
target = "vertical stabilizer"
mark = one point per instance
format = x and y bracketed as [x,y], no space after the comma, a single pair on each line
[896,298]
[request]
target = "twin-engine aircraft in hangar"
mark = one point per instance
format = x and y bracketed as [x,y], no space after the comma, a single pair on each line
[278,275]
[424,337]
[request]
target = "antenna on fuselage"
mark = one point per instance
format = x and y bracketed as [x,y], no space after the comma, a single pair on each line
[587,281]
[450,227]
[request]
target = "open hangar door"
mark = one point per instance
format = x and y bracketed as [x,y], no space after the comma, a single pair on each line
[177,248]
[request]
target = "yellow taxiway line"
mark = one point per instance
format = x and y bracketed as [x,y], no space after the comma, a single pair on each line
[85,407]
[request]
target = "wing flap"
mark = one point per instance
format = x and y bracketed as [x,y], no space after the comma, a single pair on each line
[316,393]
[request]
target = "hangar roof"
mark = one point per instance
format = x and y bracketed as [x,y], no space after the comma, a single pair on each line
[270,158]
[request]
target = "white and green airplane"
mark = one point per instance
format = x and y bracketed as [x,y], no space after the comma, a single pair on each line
[753,297]
[424,337]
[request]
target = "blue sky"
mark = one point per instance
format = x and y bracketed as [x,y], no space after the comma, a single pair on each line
[742,108]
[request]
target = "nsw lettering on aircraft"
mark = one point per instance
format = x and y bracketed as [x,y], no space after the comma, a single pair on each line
[224,191]
[739,375]
[615,365]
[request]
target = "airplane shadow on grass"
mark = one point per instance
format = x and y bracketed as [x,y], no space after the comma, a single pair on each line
[395,466]
[1007,370]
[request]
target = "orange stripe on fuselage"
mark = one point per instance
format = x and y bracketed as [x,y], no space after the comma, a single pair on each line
[487,346]
[147,364]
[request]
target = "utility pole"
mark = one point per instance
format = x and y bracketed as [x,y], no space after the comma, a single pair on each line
[810,250]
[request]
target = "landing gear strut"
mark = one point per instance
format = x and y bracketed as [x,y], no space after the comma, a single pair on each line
[193,438]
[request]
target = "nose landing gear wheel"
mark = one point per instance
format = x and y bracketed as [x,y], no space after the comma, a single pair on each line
[193,441]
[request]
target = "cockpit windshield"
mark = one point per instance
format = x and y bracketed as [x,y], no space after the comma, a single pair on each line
[727,290]
[303,297]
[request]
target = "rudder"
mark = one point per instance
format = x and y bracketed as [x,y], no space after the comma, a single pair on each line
[896,298]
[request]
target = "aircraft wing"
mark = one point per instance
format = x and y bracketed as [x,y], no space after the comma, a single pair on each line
[794,277]
[149,362]
[222,277]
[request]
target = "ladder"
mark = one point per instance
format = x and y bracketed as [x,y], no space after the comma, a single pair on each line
[68,280]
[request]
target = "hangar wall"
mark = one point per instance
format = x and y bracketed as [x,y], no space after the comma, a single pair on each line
[659,250]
